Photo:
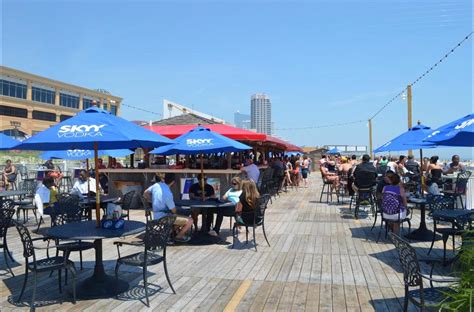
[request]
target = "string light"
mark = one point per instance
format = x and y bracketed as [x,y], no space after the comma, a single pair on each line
[141,109]
[323,126]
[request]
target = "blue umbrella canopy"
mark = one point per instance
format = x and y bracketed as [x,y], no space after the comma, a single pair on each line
[7,143]
[334,151]
[94,126]
[456,133]
[201,140]
[411,139]
[79,154]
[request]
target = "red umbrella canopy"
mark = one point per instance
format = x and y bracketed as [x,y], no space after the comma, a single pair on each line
[231,132]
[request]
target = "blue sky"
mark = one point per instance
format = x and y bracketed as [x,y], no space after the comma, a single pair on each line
[321,62]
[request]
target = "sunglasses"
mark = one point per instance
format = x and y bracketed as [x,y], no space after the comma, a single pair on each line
[235,183]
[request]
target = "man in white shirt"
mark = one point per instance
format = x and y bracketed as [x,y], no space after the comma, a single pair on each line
[81,187]
[253,173]
[161,197]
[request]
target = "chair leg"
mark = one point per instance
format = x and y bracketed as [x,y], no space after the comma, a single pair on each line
[246,235]
[73,273]
[445,240]
[39,223]
[265,234]
[233,235]
[33,296]
[146,287]
[380,231]
[25,280]
[36,217]
[80,258]
[117,265]
[321,195]
[405,302]
[59,281]
[375,221]
[5,251]
[167,276]
[434,237]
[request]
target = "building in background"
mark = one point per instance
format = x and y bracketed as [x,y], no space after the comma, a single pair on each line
[171,109]
[242,120]
[31,103]
[261,113]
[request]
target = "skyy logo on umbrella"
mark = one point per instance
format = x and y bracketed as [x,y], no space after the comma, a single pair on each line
[199,142]
[79,153]
[80,131]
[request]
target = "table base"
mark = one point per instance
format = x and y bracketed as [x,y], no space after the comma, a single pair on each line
[105,286]
[422,235]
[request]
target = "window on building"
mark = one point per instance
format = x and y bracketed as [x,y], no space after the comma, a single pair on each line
[86,103]
[113,109]
[39,115]
[67,100]
[64,117]
[43,95]
[12,89]
[13,111]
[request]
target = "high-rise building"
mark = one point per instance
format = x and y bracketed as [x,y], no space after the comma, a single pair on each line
[31,103]
[242,120]
[261,113]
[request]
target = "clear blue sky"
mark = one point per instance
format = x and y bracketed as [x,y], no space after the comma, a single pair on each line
[320,61]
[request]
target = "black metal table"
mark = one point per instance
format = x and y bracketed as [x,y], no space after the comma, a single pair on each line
[12,193]
[203,206]
[452,215]
[99,285]
[422,233]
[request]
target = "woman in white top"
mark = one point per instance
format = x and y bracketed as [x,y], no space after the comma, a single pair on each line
[232,195]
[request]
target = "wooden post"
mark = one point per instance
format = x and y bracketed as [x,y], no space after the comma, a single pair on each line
[371,153]
[97,193]
[409,108]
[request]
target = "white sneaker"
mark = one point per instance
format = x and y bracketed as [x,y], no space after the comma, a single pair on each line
[212,233]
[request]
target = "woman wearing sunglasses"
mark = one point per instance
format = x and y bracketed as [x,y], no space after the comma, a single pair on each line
[231,195]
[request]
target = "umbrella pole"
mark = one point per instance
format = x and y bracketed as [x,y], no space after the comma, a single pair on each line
[422,178]
[97,195]
[203,188]
[87,175]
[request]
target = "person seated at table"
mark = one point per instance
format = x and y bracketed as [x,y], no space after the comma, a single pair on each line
[365,174]
[101,164]
[454,166]
[394,207]
[248,201]
[9,174]
[330,176]
[433,176]
[413,168]
[392,164]
[85,185]
[344,166]
[54,172]
[232,195]
[331,164]
[46,195]
[195,193]
[161,197]
[253,173]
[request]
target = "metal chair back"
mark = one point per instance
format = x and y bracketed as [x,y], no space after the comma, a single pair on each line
[158,232]
[461,182]
[6,215]
[409,262]
[29,186]
[7,204]
[438,202]
[28,249]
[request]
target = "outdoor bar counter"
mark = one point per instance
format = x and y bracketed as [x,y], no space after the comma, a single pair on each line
[139,179]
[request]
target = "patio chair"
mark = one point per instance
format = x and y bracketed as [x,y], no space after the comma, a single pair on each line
[6,213]
[364,197]
[421,297]
[392,199]
[156,237]
[460,187]
[126,203]
[438,202]
[25,202]
[65,183]
[258,219]
[42,265]
[328,190]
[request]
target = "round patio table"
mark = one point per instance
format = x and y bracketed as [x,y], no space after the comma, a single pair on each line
[99,285]
[89,203]
[422,233]
[12,193]
[204,206]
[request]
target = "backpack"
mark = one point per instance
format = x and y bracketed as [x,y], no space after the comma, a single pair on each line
[392,203]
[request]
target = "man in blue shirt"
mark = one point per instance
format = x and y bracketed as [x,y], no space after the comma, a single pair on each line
[161,197]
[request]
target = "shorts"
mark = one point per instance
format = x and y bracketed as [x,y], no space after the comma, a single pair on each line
[181,221]
[394,217]
[304,173]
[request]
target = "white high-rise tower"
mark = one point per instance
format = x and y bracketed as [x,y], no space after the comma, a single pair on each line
[261,113]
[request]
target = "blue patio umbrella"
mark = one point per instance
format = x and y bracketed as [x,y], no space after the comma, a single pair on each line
[94,129]
[333,151]
[201,140]
[456,133]
[7,143]
[80,154]
[411,139]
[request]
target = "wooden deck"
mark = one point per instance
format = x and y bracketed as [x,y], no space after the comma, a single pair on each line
[320,259]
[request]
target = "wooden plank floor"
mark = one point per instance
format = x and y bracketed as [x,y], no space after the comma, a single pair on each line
[320,259]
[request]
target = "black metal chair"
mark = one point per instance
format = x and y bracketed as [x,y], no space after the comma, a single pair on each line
[69,211]
[6,213]
[363,197]
[460,187]
[126,203]
[42,265]
[394,199]
[25,202]
[258,219]
[412,277]
[156,236]
[438,202]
